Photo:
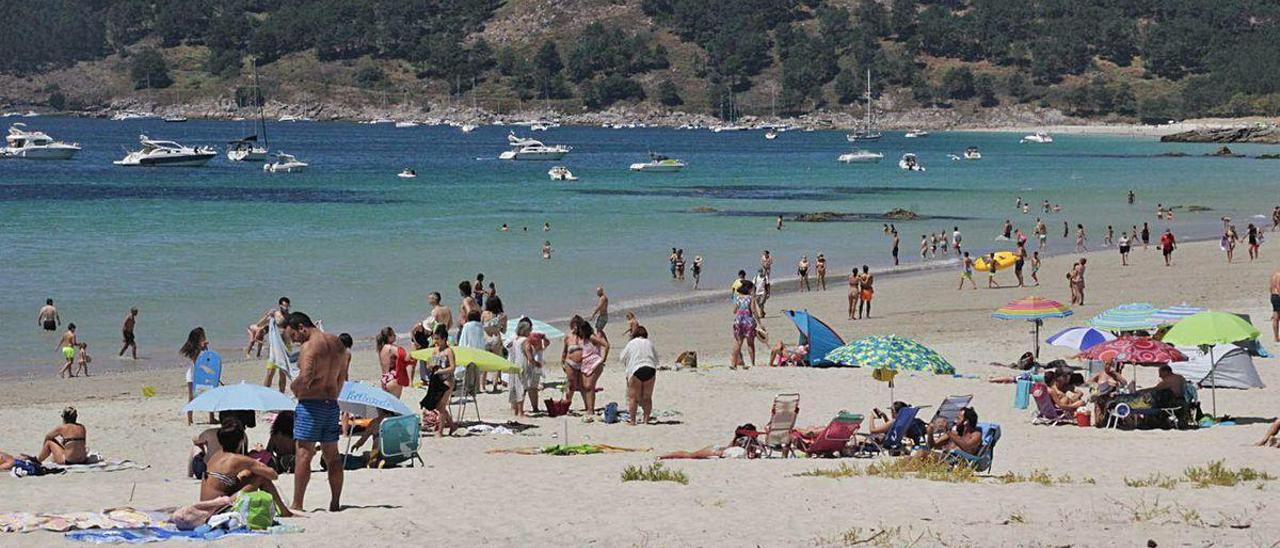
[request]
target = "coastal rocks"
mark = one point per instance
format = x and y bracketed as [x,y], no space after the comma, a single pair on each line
[821,217]
[1249,134]
[704,209]
[1269,156]
[1173,154]
[1225,152]
[900,214]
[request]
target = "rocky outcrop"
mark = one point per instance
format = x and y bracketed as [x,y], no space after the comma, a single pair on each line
[901,215]
[1250,134]
[1224,152]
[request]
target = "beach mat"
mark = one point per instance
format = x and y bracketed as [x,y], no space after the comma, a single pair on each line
[142,535]
[98,464]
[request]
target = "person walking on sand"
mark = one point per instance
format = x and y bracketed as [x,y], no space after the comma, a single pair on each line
[855,293]
[766,263]
[1079,280]
[47,318]
[991,271]
[1229,239]
[745,319]
[868,293]
[600,315]
[1035,267]
[821,268]
[67,345]
[1167,244]
[895,247]
[126,331]
[763,290]
[641,359]
[196,343]
[1275,305]
[967,274]
[1021,253]
[1251,232]
[1109,238]
[1146,236]
[1042,234]
[1124,249]
[322,370]
[802,268]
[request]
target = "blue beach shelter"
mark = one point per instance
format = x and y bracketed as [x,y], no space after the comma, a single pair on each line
[820,337]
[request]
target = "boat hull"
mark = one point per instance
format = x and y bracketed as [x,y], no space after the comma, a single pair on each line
[651,168]
[44,153]
[190,160]
[255,155]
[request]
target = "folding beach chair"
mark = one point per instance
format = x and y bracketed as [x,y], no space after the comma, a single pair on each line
[894,440]
[980,462]
[470,389]
[782,420]
[950,409]
[1048,412]
[833,439]
[398,439]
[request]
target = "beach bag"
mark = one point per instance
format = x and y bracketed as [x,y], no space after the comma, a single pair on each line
[611,413]
[256,508]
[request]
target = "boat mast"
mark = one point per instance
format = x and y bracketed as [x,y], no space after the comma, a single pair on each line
[257,93]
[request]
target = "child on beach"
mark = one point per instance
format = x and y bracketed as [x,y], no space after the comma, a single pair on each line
[83,359]
[1035,266]
[968,271]
[991,271]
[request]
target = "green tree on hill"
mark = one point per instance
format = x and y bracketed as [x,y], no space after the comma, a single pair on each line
[148,70]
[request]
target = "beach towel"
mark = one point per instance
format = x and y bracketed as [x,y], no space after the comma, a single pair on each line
[278,352]
[112,518]
[142,535]
[565,450]
[98,464]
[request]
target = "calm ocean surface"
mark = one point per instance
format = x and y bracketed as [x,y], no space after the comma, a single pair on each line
[356,246]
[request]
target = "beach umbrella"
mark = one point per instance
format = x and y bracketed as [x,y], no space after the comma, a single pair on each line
[1207,329]
[1126,317]
[464,356]
[1133,349]
[1080,338]
[241,397]
[1176,313]
[538,327]
[890,353]
[365,400]
[1034,310]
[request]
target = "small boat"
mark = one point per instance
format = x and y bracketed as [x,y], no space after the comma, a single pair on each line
[381,121]
[1038,137]
[247,150]
[122,116]
[289,118]
[532,149]
[406,123]
[972,153]
[467,128]
[771,135]
[860,156]
[407,173]
[916,133]
[659,164]
[537,127]
[36,145]
[167,154]
[910,163]
[175,119]
[868,132]
[285,163]
[561,173]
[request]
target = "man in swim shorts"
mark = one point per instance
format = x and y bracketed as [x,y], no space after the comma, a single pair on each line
[601,313]
[322,369]
[1275,305]
[868,291]
[67,345]
[126,332]
[47,318]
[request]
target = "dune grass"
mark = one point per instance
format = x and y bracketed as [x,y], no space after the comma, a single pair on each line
[654,472]
[1217,473]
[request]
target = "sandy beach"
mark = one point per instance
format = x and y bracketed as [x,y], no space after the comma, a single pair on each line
[466,493]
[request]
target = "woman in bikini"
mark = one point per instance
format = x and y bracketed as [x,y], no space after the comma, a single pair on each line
[855,293]
[802,268]
[394,361]
[230,473]
[65,444]
[821,267]
[571,360]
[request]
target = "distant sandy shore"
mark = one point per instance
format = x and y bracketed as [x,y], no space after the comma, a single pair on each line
[1135,130]
[509,500]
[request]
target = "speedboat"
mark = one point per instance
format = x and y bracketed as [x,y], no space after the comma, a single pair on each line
[860,156]
[910,163]
[658,164]
[246,150]
[175,119]
[532,149]
[285,163]
[916,133]
[406,123]
[166,153]
[1038,137]
[561,173]
[407,173]
[972,153]
[771,135]
[36,145]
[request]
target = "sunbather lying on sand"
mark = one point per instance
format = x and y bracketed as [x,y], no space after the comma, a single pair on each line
[6,461]
[737,449]
[230,473]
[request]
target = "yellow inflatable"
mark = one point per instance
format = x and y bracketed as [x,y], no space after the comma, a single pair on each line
[1004,259]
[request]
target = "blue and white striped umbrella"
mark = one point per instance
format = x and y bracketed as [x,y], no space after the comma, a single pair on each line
[1126,317]
[1175,313]
[1080,338]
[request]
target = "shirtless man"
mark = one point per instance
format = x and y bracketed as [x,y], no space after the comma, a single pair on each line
[67,345]
[601,313]
[230,473]
[1275,305]
[868,291]
[258,331]
[855,294]
[321,371]
[440,314]
[47,318]
[468,301]
[766,263]
[126,331]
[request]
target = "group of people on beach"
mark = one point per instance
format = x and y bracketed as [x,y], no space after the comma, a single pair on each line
[74,352]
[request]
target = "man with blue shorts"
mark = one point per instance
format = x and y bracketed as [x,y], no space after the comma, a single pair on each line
[322,369]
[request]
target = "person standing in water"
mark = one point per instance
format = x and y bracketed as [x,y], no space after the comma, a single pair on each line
[67,345]
[126,331]
[779,222]
[1131,196]
[47,318]
[1081,239]
[322,369]
[697,271]
[955,239]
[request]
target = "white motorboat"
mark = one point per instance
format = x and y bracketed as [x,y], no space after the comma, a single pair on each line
[36,145]
[860,156]
[532,149]
[175,119]
[537,127]
[561,173]
[122,116]
[868,131]
[1038,137]
[731,127]
[407,173]
[916,133]
[467,128]
[406,124]
[166,153]
[771,135]
[910,163]
[659,164]
[285,163]
[972,153]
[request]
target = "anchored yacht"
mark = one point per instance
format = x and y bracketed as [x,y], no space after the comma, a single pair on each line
[532,149]
[166,153]
[36,145]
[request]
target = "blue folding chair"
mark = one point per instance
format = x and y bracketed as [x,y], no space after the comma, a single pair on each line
[980,462]
[893,440]
[398,439]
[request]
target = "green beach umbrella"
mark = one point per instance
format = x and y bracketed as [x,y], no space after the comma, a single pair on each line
[892,353]
[1207,329]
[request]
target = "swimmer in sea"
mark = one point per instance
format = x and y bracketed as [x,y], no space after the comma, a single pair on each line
[47,318]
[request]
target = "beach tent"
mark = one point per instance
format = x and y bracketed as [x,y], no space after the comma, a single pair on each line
[1234,368]
[817,334]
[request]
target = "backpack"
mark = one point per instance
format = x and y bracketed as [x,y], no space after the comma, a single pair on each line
[256,508]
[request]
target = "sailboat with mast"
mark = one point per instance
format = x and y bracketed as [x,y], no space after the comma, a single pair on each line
[868,131]
[249,149]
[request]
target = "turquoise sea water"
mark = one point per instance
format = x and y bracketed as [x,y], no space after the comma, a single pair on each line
[358,247]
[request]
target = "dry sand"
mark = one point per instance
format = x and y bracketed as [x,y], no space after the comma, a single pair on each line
[472,497]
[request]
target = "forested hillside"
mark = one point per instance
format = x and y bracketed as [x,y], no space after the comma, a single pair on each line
[1153,59]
